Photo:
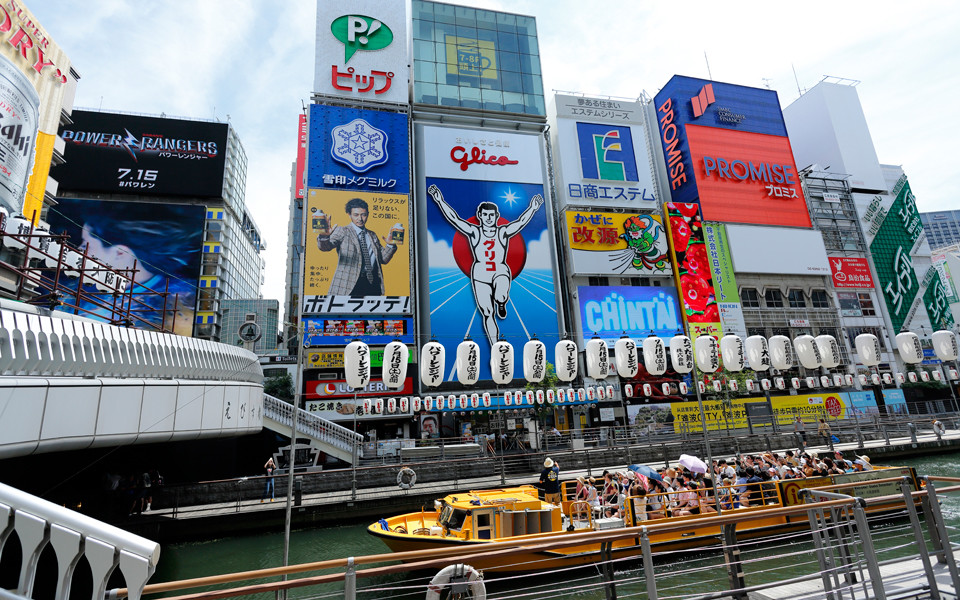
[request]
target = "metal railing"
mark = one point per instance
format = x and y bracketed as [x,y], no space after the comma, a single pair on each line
[72,536]
[311,425]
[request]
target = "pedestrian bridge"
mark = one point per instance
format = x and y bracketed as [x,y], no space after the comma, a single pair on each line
[69,383]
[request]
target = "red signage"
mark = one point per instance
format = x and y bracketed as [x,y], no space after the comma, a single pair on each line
[338,388]
[745,177]
[459,154]
[301,155]
[850,273]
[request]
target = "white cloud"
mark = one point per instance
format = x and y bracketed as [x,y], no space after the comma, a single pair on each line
[539,252]
[440,252]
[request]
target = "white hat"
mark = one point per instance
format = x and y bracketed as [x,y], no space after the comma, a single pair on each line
[548,463]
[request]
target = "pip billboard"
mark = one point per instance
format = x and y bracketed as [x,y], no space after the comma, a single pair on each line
[606,243]
[489,249]
[637,311]
[128,154]
[356,257]
[602,153]
[362,50]
[692,270]
[358,149]
[164,241]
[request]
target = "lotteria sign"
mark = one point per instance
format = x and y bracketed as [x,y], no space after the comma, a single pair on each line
[725,147]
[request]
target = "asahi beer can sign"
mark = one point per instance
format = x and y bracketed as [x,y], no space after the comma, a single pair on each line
[19,120]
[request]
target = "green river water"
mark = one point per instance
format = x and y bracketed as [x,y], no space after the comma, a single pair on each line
[677,576]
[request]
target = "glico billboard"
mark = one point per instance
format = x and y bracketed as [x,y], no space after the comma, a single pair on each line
[725,147]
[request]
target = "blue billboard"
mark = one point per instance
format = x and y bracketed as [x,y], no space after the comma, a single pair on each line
[358,149]
[637,311]
[343,329]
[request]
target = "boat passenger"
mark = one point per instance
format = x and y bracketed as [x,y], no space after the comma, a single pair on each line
[866,462]
[611,493]
[592,496]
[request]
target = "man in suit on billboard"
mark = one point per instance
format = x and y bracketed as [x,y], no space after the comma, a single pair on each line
[360,254]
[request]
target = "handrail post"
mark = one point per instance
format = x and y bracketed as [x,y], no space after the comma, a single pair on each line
[350,581]
[946,547]
[869,553]
[918,538]
[816,533]
[648,573]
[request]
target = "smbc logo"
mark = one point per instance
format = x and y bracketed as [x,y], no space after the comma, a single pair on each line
[357,32]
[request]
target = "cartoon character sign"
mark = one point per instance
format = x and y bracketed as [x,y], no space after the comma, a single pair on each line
[617,244]
[646,243]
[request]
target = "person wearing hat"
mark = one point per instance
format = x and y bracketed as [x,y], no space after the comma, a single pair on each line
[550,481]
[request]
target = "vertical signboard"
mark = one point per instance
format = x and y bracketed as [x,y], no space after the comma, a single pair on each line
[691,266]
[19,118]
[606,243]
[300,190]
[489,249]
[362,50]
[724,280]
[602,153]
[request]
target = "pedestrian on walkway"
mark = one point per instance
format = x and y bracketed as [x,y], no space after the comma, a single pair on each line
[269,468]
[550,481]
[800,427]
[823,430]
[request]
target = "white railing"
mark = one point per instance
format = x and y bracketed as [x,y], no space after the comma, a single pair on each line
[39,523]
[39,345]
[311,425]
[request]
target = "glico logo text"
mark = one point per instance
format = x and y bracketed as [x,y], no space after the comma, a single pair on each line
[738,169]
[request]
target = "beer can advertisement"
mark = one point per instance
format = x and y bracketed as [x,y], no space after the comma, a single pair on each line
[490,250]
[18,134]
[357,257]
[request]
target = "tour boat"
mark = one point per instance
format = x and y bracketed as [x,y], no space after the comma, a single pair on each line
[517,513]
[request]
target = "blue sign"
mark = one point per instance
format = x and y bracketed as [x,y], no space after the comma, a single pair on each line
[358,149]
[341,330]
[611,311]
[606,152]
[895,401]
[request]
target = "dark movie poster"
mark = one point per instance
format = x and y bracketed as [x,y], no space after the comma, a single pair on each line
[150,156]
[164,241]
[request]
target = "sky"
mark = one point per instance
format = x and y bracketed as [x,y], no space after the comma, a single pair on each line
[252,63]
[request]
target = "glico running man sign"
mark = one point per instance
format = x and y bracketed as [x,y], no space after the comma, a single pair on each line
[153,156]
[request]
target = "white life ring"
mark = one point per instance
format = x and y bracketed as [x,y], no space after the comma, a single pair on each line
[406,478]
[478,591]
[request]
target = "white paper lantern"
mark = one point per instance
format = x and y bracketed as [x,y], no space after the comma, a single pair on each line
[508,399]
[924,376]
[780,355]
[654,355]
[597,359]
[766,384]
[366,406]
[627,358]
[468,362]
[702,387]
[908,343]
[356,364]
[717,385]
[474,401]
[601,393]
[403,404]
[565,360]
[780,383]
[417,404]
[758,352]
[829,351]
[540,396]
[731,348]
[838,380]
[529,396]
[396,357]
[518,397]
[391,405]
[378,406]
[938,376]
[647,390]
[486,400]
[534,361]
[953,374]
[628,390]
[875,379]
[451,402]
[432,364]
[682,387]
[912,377]
[848,379]
[681,354]
[811,382]
[610,392]
[824,381]
[751,385]
[901,377]
[945,345]
[863,379]
[795,383]
[551,397]
[887,378]
[571,395]
[733,385]
[665,388]
[560,395]
[807,351]
[708,353]
[428,403]
[868,349]
[501,362]
[581,395]
[591,394]
[464,401]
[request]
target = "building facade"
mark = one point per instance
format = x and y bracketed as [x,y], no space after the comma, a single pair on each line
[942,228]
[264,312]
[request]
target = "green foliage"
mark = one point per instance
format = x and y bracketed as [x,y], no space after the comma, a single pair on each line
[550,381]
[279,386]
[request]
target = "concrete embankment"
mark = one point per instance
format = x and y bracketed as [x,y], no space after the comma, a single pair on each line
[224,508]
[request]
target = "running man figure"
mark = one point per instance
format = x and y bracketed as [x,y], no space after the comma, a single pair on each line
[490,274]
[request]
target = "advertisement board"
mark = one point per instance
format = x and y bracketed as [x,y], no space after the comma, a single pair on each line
[114,153]
[358,149]
[606,243]
[164,240]
[329,389]
[602,156]
[850,273]
[362,50]
[319,359]
[798,251]
[724,279]
[692,270]
[18,135]
[637,311]
[302,136]
[489,249]
[347,410]
[342,278]
[341,330]
[809,407]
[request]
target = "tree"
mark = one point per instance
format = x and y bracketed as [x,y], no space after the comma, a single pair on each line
[279,386]
[550,381]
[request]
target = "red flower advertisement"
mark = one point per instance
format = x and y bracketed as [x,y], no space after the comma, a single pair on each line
[694,276]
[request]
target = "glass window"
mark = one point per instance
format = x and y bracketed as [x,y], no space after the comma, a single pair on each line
[423,51]
[866,304]
[795,299]
[773,298]
[597,281]
[750,298]
[449,95]
[530,64]
[820,299]
[513,101]
[469,97]
[526,25]
[423,10]
[511,82]
[528,44]
[464,31]
[444,13]
[756,330]
[492,99]
[534,105]
[507,42]
[507,22]
[486,19]
[425,71]
[849,304]
[423,30]
[508,61]
[425,92]
[780,331]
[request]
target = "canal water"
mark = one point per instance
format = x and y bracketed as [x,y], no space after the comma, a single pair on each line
[693,573]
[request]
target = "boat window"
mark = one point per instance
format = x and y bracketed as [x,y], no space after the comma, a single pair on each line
[452,518]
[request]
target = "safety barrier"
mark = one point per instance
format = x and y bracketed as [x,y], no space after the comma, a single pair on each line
[72,536]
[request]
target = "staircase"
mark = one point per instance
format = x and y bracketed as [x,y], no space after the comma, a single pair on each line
[325,435]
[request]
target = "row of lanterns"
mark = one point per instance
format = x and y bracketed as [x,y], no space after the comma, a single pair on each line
[485,400]
[705,353]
